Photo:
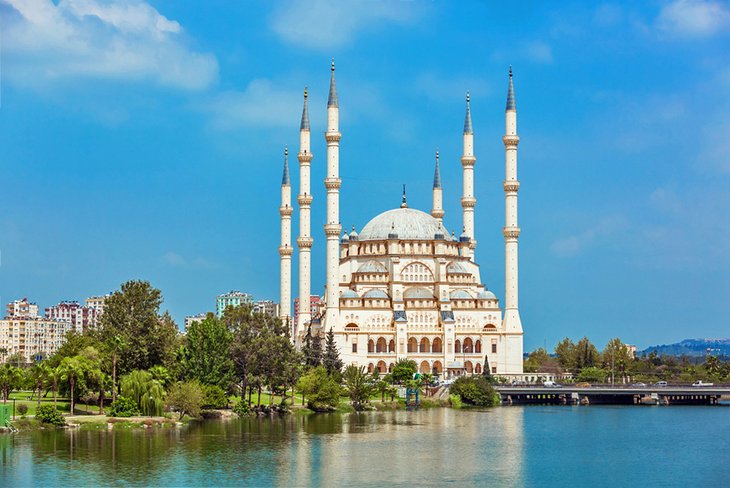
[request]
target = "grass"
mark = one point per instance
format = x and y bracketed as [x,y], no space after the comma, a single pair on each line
[21,397]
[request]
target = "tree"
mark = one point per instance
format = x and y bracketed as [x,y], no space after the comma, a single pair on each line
[248,332]
[616,357]
[73,343]
[404,370]
[475,390]
[592,374]
[382,388]
[358,386]
[11,378]
[586,354]
[140,387]
[206,356]
[312,349]
[536,359]
[161,374]
[115,342]
[565,352]
[331,361]
[103,382]
[320,389]
[132,314]
[40,373]
[186,398]
[75,369]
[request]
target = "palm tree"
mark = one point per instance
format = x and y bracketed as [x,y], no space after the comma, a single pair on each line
[55,375]
[72,369]
[358,385]
[3,352]
[10,377]
[103,382]
[40,372]
[117,343]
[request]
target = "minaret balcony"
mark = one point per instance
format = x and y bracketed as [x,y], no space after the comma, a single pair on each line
[468,160]
[511,186]
[305,199]
[468,202]
[332,183]
[511,141]
[332,136]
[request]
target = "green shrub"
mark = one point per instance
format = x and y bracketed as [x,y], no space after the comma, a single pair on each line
[321,390]
[215,397]
[186,398]
[455,401]
[48,414]
[22,409]
[242,408]
[123,407]
[475,390]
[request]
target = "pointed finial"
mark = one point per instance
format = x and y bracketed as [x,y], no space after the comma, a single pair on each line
[286,179]
[404,204]
[437,173]
[332,100]
[467,119]
[305,113]
[511,105]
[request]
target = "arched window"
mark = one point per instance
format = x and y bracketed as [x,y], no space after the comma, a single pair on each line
[425,346]
[425,368]
[478,346]
[382,367]
[412,345]
[478,369]
[468,345]
[437,345]
[457,346]
[437,367]
[469,367]
[391,346]
[390,367]
[371,367]
[417,273]
[371,346]
[381,345]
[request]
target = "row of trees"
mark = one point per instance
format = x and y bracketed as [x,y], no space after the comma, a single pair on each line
[616,363]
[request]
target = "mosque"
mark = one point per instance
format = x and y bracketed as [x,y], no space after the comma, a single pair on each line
[403,287]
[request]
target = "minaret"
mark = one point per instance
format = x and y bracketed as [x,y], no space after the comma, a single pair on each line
[467,162]
[304,241]
[285,249]
[332,183]
[511,231]
[437,209]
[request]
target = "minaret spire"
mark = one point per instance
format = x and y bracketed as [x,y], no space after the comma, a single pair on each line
[468,201]
[437,210]
[511,231]
[304,241]
[285,249]
[332,227]
[404,203]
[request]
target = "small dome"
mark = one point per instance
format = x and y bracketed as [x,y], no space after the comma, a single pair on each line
[418,293]
[349,294]
[487,295]
[372,267]
[456,267]
[375,294]
[345,238]
[460,295]
[353,234]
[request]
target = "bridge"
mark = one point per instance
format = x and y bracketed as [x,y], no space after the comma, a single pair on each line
[614,395]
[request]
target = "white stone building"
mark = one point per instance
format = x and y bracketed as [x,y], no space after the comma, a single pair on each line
[81,318]
[404,287]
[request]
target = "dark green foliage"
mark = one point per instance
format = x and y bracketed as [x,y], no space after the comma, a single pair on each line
[22,409]
[359,386]
[186,398]
[475,390]
[215,397]
[404,370]
[312,349]
[592,375]
[48,414]
[206,355]
[123,407]
[331,361]
[131,315]
[242,408]
[321,390]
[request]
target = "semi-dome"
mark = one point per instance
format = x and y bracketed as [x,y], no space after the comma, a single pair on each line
[407,223]
[349,294]
[372,267]
[375,294]
[487,295]
[456,267]
[460,295]
[421,293]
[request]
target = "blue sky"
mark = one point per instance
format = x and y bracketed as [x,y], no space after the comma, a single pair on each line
[145,140]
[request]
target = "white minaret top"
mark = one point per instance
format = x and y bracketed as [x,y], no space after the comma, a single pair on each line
[511,231]
[468,201]
[285,249]
[332,183]
[437,207]
[305,240]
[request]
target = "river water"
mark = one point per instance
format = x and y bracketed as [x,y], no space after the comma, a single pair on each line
[505,446]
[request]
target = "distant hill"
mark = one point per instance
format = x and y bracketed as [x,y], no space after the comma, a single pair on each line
[692,347]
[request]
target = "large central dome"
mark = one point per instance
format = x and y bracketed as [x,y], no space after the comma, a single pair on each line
[408,223]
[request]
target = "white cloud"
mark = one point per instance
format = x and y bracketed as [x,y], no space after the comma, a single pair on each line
[694,18]
[261,104]
[329,24]
[120,39]
[575,244]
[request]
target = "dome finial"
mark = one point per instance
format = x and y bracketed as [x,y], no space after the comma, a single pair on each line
[404,204]
[305,112]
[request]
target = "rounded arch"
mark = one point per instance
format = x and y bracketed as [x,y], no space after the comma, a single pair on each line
[478,369]
[490,328]
[381,345]
[468,345]
[469,367]
[437,345]
[425,367]
[382,367]
[351,328]
[417,273]
[478,346]
[371,367]
[412,345]
[371,346]
[425,345]
[391,346]
[391,366]
[457,346]
[437,367]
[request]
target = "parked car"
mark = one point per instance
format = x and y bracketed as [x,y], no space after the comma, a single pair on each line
[700,383]
[583,384]
[551,384]
[639,385]
[448,382]
[519,383]
[661,384]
